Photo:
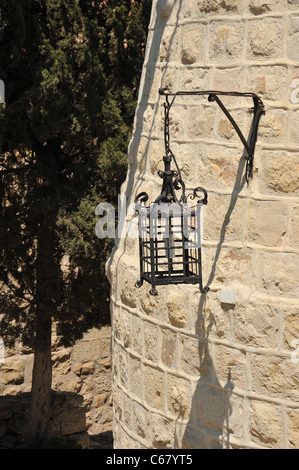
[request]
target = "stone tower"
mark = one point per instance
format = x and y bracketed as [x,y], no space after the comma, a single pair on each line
[219,370]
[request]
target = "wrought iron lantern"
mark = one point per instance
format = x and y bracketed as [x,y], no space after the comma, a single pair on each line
[170,228]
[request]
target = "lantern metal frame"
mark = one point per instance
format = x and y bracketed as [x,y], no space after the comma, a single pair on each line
[170,230]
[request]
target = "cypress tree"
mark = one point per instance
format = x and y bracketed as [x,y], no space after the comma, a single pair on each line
[71,70]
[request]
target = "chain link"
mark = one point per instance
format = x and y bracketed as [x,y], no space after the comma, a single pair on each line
[166,127]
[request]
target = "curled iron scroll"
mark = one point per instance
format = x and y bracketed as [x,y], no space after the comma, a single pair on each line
[195,194]
[142,197]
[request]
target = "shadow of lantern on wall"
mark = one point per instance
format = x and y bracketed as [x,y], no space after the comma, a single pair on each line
[170,228]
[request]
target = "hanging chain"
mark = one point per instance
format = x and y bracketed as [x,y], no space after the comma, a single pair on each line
[166,127]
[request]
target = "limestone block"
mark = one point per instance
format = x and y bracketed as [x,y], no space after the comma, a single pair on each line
[150,122]
[154,388]
[87,368]
[128,292]
[269,82]
[136,335]
[274,376]
[294,234]
[152,83]
[127,410]
[86,350]
[224,218]
[152,305]
[267,223]
[279,173]
[292,4]
[189,357]
[69,385]
[176,306]
[200,122]
[293,39]
[169,45]
[216,320]
[176,124]
[136,376]
[106,345]
[72,420]
[185,155]
[210,410]
[233,424]
[293,428]
[294,126]
[142,154]
[188,10]
[61,361]
[192,438]
[230,79]
[87,385]
[151,341]
[219,167]
[165,7]
[290,325]
[161,431]
[219,6]
[141,423]
[226,40]
[265,39]
[156,153]
[168,80]
[126,328]
[273,126]
[234,264]
[266,424]
[257,324]
[169,347]
[123,369]
[167,10]
[225,130]
[194,79]
[117,398]
[179,396]
[258,7]
[230,367]
[278,274]
[192,43]
[102,381]
[115,313]
[12,372]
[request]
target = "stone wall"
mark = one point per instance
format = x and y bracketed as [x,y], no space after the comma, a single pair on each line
[67,423]
[84,370]
[189,370]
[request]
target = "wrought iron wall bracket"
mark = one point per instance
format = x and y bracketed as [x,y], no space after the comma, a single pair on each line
[258,110]
[170,240]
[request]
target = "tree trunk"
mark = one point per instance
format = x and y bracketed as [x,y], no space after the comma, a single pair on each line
[46,295]
[41,382]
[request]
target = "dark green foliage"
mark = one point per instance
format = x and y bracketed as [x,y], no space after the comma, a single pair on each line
[71,70]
